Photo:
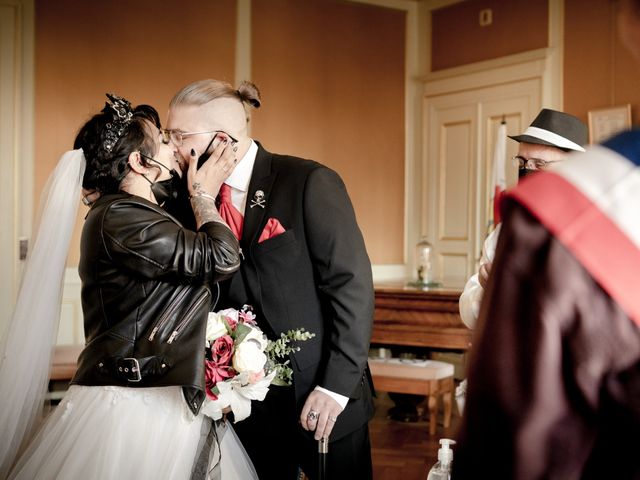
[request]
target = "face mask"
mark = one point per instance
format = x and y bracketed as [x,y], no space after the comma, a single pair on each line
[165,190]
[523,172]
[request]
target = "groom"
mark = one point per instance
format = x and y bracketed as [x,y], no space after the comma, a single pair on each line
[305,265]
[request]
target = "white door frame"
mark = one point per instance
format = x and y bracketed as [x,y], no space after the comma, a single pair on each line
[16,143]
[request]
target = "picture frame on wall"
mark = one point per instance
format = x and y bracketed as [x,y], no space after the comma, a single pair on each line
[606,122]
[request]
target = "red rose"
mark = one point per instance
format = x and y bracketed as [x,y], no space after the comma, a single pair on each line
[214,374]
[222,350]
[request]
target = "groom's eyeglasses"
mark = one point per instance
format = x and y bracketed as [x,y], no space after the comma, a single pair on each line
[177,137]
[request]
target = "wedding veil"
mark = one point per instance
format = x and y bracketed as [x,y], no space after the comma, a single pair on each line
[33,327]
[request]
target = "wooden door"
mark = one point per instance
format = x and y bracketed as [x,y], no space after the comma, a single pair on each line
[460,132]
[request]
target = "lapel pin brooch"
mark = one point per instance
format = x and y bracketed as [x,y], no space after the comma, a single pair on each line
[258,199]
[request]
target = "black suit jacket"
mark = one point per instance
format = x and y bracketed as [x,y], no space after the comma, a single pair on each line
[315,275]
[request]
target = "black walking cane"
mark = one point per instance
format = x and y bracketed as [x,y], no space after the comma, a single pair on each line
[323,450]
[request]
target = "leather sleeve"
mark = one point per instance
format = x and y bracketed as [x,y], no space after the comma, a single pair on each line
[144,240]
[344,279]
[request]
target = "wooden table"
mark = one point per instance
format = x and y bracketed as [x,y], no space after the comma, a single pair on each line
[411,316]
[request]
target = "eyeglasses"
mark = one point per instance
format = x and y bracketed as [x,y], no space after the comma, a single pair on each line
[177,137]
[532,163]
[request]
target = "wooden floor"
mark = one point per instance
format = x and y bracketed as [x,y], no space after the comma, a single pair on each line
[404,450]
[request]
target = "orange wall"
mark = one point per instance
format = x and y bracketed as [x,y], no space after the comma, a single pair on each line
[331,74]
[598,71]
[458,39]
[84,49]
[332,91]
[332,79]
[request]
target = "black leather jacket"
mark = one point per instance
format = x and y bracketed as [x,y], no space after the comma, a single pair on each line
[146,296]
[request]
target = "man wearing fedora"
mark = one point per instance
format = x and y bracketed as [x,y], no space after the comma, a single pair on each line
[548,140]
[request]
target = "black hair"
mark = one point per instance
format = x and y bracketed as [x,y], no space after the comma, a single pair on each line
[106,169]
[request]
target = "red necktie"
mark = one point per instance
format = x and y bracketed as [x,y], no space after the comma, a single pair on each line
[228,212]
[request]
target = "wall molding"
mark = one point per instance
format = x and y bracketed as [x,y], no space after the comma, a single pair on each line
[243,41]
[488,73]
[71,326]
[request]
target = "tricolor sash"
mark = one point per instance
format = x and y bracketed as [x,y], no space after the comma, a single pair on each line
[591,204]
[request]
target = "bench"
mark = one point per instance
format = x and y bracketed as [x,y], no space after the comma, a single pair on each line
[418,377]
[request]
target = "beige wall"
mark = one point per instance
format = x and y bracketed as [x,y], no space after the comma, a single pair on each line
[598,71]
[331,74]
[332,91]
[84,49]
[458,39]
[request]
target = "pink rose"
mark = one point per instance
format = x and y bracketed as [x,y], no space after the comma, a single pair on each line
[231,321]
[247,316]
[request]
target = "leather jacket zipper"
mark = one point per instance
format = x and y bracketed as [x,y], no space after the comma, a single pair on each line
[187,317]
[167,313]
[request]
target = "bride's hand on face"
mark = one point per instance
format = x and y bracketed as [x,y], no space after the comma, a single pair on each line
[215,170]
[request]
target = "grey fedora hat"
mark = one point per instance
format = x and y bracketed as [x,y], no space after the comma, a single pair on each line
[556,129]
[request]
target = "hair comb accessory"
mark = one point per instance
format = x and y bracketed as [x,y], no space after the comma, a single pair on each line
[121,119]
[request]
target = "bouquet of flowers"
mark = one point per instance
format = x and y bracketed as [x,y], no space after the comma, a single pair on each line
[241,363]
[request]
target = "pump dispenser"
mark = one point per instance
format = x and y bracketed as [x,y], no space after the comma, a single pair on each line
[442,469]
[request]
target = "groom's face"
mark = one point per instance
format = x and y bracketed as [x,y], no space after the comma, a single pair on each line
[188,120]
[223,114]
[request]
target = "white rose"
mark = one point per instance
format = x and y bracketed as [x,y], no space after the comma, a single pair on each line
[249,357]
[258,336]
[215,327]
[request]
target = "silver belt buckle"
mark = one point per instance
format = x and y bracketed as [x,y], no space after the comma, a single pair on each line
[135,369]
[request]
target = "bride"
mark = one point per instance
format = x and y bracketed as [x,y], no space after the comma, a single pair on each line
[133,407]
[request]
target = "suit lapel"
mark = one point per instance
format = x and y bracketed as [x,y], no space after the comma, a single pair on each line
[261,180]
[244,286]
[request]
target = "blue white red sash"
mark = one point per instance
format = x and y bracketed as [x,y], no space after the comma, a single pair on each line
[591,203]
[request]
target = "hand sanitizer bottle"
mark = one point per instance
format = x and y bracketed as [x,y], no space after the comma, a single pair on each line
[442,469]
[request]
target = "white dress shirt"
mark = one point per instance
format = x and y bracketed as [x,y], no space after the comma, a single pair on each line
[471,297]
[241,176]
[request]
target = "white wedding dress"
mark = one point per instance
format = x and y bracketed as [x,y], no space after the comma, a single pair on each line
[119,433]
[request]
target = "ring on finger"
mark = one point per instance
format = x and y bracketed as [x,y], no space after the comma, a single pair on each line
[333,419]
[312,416]
[86,201]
